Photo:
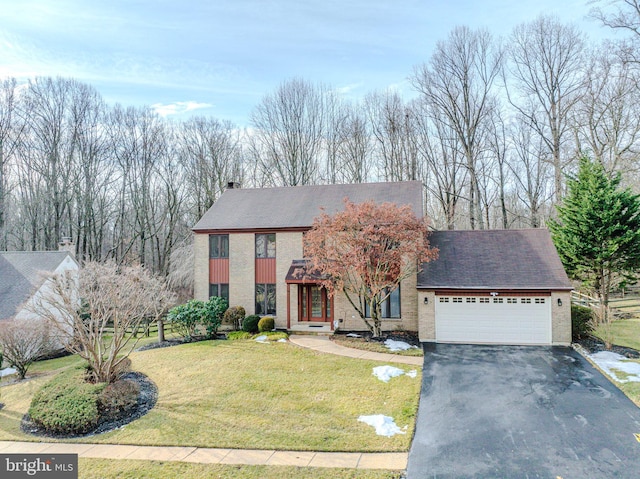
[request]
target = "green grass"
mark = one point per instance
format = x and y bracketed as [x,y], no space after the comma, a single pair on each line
[625,332]
[128,469]
[374,346]
[242,394]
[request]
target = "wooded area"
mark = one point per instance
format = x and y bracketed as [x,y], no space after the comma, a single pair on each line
[492,131]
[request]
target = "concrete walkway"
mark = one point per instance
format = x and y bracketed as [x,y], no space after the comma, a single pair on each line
[324,345]
[203,455]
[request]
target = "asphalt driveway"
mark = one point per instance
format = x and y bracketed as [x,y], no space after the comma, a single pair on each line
[520,412]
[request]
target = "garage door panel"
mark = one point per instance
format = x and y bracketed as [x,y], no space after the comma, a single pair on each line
[493,322]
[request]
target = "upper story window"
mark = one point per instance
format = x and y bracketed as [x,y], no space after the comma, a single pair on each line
[218,246]
[266,245]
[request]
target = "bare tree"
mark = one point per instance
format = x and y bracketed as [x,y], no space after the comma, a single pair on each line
[459,81]
[23,343]
[98,314]
[545,83]
[529,169]
[288,133]
[392,126]
[446,174]
[10,132]
[624,15]
[212,156]
[608,112]
[354,147]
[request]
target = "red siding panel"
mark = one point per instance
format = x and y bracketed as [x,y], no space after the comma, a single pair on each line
[219,270]
[265,270]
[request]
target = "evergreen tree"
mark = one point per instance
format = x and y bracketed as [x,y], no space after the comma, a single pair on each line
[597,232]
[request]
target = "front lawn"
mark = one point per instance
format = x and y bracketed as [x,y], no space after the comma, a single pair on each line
[625,332]
[110,469]
[242,394]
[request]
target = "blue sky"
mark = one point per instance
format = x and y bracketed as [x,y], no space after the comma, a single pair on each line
[220,57]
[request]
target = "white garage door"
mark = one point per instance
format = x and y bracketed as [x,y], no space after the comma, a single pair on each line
[496,320]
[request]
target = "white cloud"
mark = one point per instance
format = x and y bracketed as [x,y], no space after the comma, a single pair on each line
[345,90]
[178,107]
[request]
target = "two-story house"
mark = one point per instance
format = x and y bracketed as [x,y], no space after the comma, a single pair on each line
[498,286]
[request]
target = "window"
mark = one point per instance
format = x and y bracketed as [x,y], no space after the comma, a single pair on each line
[444,300]
[498,300]
[512,300]
[484,300]
[218,246]
[265,299]
[221,290]
[457,300]
[390,307]
[525,300]
[471,300]
[539,300]
[266,245]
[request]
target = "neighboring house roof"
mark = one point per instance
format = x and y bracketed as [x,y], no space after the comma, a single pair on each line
[494,259]
[21,275]
[297,206]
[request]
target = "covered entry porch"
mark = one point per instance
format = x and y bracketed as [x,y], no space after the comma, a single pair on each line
[309,306]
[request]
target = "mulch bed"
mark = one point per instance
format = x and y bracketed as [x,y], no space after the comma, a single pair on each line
[406,336]
[146,401]
[594,345]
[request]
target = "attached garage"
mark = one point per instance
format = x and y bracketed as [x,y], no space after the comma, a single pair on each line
[493,320]
[494,287]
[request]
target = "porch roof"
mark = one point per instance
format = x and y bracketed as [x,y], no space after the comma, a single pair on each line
[299,273]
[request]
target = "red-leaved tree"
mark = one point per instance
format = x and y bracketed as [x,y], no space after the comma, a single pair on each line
[365,252]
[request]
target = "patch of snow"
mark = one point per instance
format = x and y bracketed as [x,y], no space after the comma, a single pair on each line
[282,340]
[7,372]
[394,345]
[385,373]
[611,362]
[385,425]
[261,339]
[353,335]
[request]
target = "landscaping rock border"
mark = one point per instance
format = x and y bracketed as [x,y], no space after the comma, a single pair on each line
[593,345]
[146,401]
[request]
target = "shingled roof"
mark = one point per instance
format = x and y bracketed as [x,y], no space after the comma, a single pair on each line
[21,274]
[297,206]
[494,259]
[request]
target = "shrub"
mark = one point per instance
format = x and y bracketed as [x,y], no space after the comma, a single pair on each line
[212,317]
[186,317]
[234,316]
[67,404]
[267,323]
[581,321]
[238,335]
[118,398]
[250,323]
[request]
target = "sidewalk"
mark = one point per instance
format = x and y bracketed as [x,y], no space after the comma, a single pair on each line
[352,460]
[324,345]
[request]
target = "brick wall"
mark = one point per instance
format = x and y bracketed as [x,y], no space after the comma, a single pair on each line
[201,266]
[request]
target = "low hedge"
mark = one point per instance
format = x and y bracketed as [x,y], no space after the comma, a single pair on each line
[581,321]
[250,323]
[67,404]
[266,323]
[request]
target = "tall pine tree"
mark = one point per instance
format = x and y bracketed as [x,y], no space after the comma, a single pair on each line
[597,232]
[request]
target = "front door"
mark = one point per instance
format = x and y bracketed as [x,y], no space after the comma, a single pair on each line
[314,304]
